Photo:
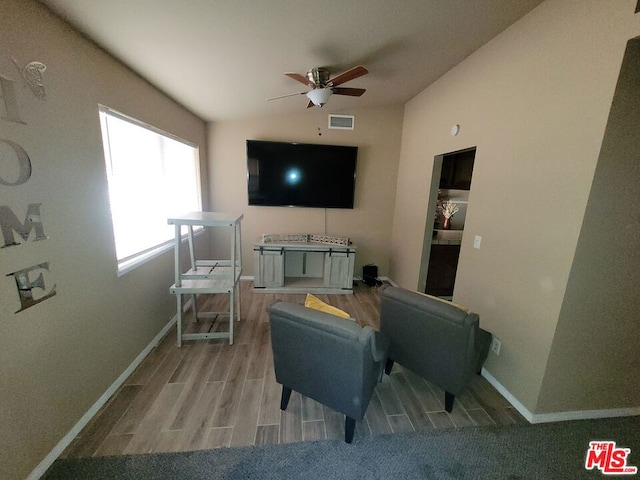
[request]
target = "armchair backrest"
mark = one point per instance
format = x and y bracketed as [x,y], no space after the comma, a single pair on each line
[330,359]
[434,339]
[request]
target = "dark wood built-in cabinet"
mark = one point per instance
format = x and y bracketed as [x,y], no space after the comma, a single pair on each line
[454,186]
[457,169]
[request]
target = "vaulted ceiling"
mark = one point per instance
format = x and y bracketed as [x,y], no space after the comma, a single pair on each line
[222,58]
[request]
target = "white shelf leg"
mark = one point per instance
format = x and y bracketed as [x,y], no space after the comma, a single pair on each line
[179,323]
[239,248]
[194,307]
[238,300]
[192,253]
[177,256]
[231,314]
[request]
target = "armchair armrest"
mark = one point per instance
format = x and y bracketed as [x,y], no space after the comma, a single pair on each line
[379,344]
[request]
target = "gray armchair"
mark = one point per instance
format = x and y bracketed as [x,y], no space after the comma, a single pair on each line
[436,340]
[329,359]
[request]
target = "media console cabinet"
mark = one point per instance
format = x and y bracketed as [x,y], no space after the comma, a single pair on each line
[298,265]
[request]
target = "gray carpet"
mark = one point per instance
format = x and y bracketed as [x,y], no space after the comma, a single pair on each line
[544,451]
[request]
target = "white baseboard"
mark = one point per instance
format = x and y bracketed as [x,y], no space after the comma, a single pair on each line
[557,416]
[507,394]
[41,469]
[585,415]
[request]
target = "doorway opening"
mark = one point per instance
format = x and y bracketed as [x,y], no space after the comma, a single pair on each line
[446,215]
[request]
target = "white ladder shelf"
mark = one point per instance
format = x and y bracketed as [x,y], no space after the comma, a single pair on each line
[207,276]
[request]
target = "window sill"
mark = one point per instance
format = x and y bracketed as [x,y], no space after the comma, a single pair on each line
[133,263]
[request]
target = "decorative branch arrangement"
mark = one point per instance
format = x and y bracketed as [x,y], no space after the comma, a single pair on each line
[448,209]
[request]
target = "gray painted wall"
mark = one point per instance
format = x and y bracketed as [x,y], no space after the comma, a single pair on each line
[59,356]
[595,360]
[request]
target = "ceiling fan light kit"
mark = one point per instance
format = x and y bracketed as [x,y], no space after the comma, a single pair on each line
[322,86]
[319,96]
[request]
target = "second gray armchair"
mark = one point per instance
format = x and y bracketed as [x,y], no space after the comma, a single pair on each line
[435,339]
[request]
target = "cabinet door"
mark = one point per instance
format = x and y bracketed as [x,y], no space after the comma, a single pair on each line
[441,274]
[338,269]
[269,269]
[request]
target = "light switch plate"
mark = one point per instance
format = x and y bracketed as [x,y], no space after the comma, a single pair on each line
[476,241]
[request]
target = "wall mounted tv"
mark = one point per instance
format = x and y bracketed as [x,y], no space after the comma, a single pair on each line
[301,174]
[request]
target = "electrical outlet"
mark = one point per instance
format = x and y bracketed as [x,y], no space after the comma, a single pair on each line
[496,345]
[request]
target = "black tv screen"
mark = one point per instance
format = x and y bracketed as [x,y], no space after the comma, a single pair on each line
[301,174]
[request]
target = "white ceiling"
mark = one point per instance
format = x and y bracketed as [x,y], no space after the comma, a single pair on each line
[223,58]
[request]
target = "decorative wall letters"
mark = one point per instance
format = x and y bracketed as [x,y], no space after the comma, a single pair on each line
[26,286]
[9,224]
[24,164]
[30,281]
[32,75]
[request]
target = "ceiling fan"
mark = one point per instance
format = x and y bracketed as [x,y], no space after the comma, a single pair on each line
[322,87]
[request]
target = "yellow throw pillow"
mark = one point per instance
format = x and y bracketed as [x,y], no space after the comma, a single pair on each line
[314,302]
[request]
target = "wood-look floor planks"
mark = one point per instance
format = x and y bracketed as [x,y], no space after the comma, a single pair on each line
[97,431]
[311,410]
[313,430]
[113,445]
[267,434]
[141,404]
[198,425]
[218,438]
[209,394]
[334,423]
[291,420]
[154,420]
[270,400]
[376,418]
[419,418]
[389,399]
[227,407]
[244,428]
[400,423]
[143,373]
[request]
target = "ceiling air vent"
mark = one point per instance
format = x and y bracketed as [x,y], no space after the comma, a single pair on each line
[341,122]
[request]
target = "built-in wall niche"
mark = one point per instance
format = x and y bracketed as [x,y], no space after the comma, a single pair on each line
[452,174]
[454,184]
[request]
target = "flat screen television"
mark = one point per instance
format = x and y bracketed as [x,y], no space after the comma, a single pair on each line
[301,174]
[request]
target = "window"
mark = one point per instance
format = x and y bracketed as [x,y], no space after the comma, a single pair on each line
[152,175]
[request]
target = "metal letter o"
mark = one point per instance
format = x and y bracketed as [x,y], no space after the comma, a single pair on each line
[23,161]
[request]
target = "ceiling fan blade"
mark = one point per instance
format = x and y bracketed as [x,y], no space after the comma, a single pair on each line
[352,92]
[301,79]
[350,74]
[310,104]
[285,96]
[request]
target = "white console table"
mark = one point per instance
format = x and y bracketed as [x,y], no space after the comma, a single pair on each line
[303,267]
[208,276]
